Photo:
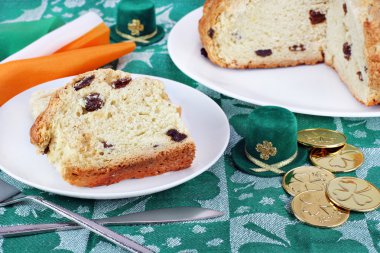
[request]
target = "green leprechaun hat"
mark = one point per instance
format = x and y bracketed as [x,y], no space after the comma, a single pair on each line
[269,147]
[136,21]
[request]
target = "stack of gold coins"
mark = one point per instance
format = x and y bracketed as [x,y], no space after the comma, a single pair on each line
[330,150]
[320,199]
[324,201]
[310,204]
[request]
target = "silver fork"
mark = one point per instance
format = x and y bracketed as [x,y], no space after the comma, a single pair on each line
[11,195]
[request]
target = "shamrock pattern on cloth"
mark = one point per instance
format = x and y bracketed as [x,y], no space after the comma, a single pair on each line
[257,212]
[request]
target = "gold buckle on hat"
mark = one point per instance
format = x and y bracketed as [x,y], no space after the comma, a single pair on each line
[135,27]
[141,39]
[275,168]
[266,150]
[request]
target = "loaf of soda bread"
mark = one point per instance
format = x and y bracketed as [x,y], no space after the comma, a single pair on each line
[274,33]
[104,127]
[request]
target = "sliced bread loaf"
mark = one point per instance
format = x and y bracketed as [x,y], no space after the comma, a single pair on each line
[272,33]
[104,127]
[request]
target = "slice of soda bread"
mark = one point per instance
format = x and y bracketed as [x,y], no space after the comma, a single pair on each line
[104,126]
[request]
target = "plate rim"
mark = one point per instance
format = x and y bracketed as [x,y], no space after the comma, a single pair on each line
[253,101]
[130,194]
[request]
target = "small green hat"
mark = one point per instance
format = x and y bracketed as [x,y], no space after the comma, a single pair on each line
[136,21]
[269,145]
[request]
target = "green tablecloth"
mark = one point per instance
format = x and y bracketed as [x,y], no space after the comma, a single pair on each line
[257,215]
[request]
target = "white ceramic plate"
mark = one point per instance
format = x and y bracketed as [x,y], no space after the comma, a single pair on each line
[315,90]
[205,120]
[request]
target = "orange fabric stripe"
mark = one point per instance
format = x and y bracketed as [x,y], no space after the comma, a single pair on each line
[17,76]
[97,36]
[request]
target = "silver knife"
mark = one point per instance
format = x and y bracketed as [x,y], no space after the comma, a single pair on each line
[10,195]
[165,215]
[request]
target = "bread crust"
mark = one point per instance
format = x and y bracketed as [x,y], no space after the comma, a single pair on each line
[165,161]
[211,11]
[272,64]
[372,52]
[40,132]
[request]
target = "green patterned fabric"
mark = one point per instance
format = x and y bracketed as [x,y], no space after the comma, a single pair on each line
[257,214]
[13,36]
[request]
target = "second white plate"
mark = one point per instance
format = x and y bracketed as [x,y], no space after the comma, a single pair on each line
[314,90]
[205,120]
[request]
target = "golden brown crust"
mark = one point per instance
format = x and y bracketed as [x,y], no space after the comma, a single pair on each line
[372,51]
[211,11]
[165,161]
[273,64]
[207,6]
[40,133]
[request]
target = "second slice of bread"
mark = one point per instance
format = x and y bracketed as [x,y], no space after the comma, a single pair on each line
[104,127]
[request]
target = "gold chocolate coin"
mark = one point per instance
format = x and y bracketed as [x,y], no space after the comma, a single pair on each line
[314,208]
[346,159]
[306,178]
[354,194]
[321,138]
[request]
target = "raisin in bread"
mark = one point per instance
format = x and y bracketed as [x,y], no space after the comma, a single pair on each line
[104,126]
[263,33]
[274,33]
